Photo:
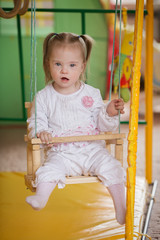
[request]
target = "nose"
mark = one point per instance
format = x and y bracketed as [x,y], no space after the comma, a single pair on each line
[64,69]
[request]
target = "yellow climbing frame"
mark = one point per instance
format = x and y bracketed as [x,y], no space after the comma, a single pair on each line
[133,122]
[149,89]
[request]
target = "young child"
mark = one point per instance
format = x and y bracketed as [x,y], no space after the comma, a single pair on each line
[69,107]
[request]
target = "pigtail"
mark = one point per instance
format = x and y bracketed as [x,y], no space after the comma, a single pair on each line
[45,43]
[45,56]
[89,43]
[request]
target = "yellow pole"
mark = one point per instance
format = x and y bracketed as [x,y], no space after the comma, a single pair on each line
[149,89]
[133,122]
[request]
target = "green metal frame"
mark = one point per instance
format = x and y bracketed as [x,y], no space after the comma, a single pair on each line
[83,24]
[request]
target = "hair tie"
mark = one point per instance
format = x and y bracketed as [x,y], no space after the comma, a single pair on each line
[55,34]
[84,44]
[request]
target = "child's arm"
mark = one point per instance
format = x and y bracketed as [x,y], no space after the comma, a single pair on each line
[41,121]
[108,115]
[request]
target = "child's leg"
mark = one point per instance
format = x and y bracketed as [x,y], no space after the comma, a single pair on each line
[117,192]
[43,191]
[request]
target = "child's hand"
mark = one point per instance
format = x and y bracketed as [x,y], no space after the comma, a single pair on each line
[46,138]
[114,106]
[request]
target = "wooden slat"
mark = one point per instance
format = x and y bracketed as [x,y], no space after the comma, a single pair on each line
[29,159]
[81,179]
[25,138]
[28,182]
[82,138]
[108,141]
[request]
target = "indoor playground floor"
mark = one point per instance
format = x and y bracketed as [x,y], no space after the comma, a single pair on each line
[83,211]
[77,212]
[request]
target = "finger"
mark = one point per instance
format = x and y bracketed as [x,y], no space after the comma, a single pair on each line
[50,145]
[42,137]
[122,111]
[120,104]
[119,107]
[120,100]
[114,101]
[117,102]
[46,138]
[49,137]
[37,135]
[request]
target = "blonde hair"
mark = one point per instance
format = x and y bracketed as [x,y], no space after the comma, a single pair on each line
[85,43]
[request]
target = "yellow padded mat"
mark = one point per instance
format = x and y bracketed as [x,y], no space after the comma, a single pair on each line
[77,212]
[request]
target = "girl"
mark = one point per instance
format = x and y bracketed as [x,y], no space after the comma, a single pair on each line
[69,107]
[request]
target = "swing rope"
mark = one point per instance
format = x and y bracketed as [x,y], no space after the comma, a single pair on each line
[119,73]
[119,57]
[111,80]
[33,69]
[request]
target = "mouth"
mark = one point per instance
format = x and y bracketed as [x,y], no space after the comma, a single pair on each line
[64,79]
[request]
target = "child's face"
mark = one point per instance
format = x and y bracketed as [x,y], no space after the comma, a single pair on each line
[66,65]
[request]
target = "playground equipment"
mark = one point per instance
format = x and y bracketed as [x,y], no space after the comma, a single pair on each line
[16,10]
[33,145]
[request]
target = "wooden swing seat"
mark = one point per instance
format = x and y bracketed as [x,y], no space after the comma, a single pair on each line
[34,152]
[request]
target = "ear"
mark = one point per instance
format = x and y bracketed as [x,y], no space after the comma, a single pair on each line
[83,66]
[47,63]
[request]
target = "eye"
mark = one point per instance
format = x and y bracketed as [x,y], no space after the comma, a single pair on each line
[57,64]
[72,65]
[130,42]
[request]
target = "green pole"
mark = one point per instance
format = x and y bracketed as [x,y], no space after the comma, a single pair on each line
[83,22]
[78,10]
[21,65]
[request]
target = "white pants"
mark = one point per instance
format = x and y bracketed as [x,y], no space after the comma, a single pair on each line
[92,159]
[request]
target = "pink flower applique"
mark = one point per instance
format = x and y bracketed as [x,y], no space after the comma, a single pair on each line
[87,101]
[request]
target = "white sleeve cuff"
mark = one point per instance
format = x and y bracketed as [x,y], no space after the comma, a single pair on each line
[105,122]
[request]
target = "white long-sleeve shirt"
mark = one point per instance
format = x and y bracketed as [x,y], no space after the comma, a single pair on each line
[80,113]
